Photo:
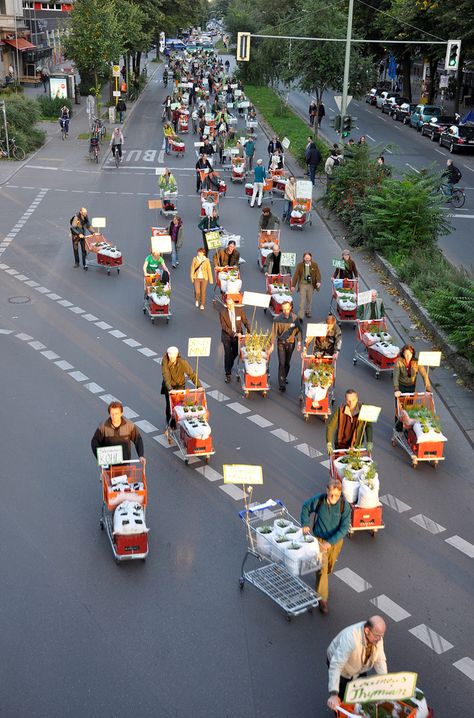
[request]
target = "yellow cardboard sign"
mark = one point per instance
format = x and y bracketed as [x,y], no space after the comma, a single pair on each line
[199,346]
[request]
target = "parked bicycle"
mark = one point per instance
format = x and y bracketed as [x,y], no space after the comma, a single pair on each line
[18,153]
[98,128]
[455,196]
[94,149]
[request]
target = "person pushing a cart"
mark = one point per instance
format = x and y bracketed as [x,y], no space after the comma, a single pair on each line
[117,431]
[328,345]
[79,224]
[344,428]
[332,517]
[372,310]
[405,373]
[286,331]
[233,321]
[228,256]
[174,369]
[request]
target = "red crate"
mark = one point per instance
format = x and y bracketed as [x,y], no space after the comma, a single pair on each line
[196,446]
[321,408]
[425,449]
[129,544]
[108,261]
[158,308]
[249,191]
[298,220]
[346,313]
[238,297]
[256,382]
[366,518]
[380,360]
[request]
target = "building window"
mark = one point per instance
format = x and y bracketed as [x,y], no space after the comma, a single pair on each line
[2,8]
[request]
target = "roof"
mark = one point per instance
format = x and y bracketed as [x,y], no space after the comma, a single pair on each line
[20,43]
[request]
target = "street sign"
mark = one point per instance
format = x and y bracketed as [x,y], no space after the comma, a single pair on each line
[199,346]
[116,71]
[116,93]
[242,474]
[388,687]
[243,47]
[285,143]
[108,455]
[288,259]
[444,82]
[338,101]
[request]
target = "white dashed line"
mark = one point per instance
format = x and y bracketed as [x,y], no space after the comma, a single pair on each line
[65,303]
[6,331]
[462,545]
[353,580]
[238,408]
[147,352]
[90,317]
[394,503]
[190,460]
[427,524]
[103,325]
[51,295]
[129,413]
[11,271]
[116,333]
[108,398]
[204,384]
[159,360]
[64,365]
[466,666]
[209,473]
[233,491]
[390,608]
[50,355]
[162,439]
[21,277]
[326,463]
[131,343]
[308,451]
[77,310]
[218,395]
[260,421]
[43,290]
[93,387]
[24,337]
[412,168]
[283,435]
[431,639]
[78,376]
[145,426]
[37,345]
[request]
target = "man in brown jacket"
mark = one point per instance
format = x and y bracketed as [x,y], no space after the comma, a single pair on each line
[175,369]
[233,319]
[306,279]
[344,428]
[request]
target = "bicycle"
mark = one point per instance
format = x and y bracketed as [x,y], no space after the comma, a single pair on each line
[117,155]
[98,128]
[18,153]
[94,149]
[64,122]
[456,197]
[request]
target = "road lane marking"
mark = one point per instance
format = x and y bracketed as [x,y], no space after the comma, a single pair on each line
[412,168]
[462,545]
[163,440]
[394,503]
[7,331]
[466,666]
[90,317]
[24,337]
[427,524]
[103,325]
[147,352]
[370,138]
[283,435]
[209,473]
[63,302]
[238,408]
[190,460]
[94,388]
[108,398]
[146,426]
[64,365]
[308,450]
[353,580]
[233,491]
[37,345]
[471,169]
[78,376]
[54,297]
[390,608]
[77,310]
[464,216]
[43,290]
[132,343]
[50,355]
[218,395]
[439,152]
[116,333]
[260,421]
[129,413]
[431,639]
[326,463]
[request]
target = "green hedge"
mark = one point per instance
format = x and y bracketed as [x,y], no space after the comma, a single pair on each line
[22,115]
[50,107]
[284,122]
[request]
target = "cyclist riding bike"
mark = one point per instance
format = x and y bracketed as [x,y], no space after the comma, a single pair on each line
[116,142]
[64,119]
[451,176]
[165,78]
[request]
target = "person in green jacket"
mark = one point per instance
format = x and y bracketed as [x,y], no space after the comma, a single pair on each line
[332,515]
[167,182]
[344,428]
[373,309]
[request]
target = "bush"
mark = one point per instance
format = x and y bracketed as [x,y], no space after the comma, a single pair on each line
[51,107]
[452,307]
[22,115]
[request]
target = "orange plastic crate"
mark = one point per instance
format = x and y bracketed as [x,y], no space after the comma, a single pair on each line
[134,474]
[256,382]
[425,449]
[158,308]
[108,261]
[366,518]
[321,408]
[196,446]
[128,544]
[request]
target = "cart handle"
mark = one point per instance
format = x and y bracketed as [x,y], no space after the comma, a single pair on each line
[267,505]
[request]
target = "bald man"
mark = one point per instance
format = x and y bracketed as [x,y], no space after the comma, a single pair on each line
[79,224]
[353,653]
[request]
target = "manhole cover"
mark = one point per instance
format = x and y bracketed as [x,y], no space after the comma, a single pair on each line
[19,300]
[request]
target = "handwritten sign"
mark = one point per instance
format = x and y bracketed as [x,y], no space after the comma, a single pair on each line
[285,143]
[199,144]
[392,686]
[288,259]
[251,124]
[369,413]
[364,297]
[199,346]
[304,189]
[98,222]
[426,358]
[316,330]
[161,243]
[339,263]
[214,239]
[242,474]
[255,299]
[109,455]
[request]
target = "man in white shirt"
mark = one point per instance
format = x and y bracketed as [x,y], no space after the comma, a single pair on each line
[352,653]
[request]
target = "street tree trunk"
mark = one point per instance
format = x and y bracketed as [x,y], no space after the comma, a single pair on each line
[406,73]
[459,82]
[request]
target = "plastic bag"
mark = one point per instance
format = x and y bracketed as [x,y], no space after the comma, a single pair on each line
[350,490]
[129,518]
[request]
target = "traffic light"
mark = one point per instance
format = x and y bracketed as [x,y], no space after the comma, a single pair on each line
[346,125]
[452,55]
[243,47]
[336,122]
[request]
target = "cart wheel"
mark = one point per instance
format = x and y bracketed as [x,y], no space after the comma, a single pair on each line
[237,378]
[264,310]
[108,272]
[414,462]
[241,583]
[305,417]
[288,617]
[167,320]
[310,222]
[206,459]
[310,610]
[143,560]
[101,523]
[300,398]
[152,320]
[144,310]
[246,394]
[354,361]
[394,443]
[264,393]
[118,271]
[377,375]
[333,400]
[350,534]
[373,534]
[118,561]
[186,461]
[435,464]
[325,417]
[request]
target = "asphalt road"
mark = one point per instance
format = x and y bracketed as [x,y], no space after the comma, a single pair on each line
[175,636]
[405,148]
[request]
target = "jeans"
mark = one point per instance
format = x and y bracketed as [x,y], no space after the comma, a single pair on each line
[328,559]
[312,172]
[75,248]
[249,162]
[285,352]
[167,145]
[231,349]
[257,187]
[287,207]
[174,253]
[121,113]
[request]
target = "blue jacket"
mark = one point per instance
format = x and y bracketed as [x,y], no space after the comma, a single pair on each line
[260,173]
[331,523]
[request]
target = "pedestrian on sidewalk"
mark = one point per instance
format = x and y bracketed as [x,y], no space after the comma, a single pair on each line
[312,112]
[175,231]
[79,224]
[121,109]
[45,78]
[313,158]
[331,163]
[307,280]
[352,654]
[259,176]
[233,321]
[344,428]
[321,112]
[332,516]
[286,331]
[201,275]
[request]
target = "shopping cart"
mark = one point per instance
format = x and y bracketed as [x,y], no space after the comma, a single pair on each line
[168,203]
[189,408]
[229,282]
[106,255]
[279,180]
[278,286]
[320,397]
[411,437]
[300,214]
[272,535]
[157,298]
[250,377]
[373,340]
[265,241]
[344,300]
[125,547]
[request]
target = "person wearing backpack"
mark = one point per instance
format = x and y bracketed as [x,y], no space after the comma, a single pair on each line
[332,515]
[452,175]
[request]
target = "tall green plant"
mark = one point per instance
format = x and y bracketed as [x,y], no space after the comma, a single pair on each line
[452,307]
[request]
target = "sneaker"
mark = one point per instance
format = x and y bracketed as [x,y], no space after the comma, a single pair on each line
[174,266]
[201,307]
[227,378]
[196,304]
[85,267]
[177,263]
[76,265]
[282,388]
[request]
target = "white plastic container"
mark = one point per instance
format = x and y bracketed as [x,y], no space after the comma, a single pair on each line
[293,557]
[264,540]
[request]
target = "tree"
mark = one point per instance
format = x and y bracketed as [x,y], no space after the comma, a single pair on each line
[94,39]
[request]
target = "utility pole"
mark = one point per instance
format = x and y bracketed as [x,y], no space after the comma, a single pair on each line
[347,61]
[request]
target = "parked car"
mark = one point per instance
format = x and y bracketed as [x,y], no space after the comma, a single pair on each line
[458,138]
[384,95]
[436,126]
[392,102]
[175,44]
[371,95]
[424,113]
[403,112]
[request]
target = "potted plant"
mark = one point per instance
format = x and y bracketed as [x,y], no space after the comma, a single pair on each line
[264,535]
[293,556]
